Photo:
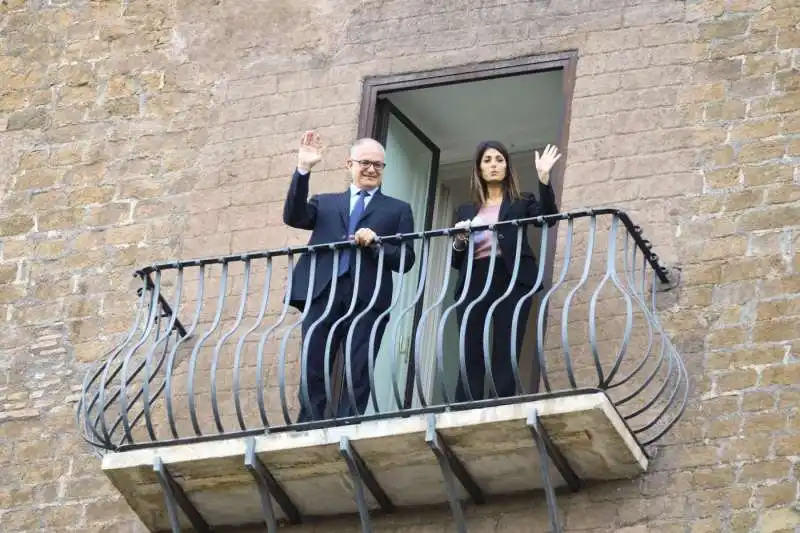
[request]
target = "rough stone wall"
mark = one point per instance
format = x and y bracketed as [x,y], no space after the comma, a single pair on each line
[136,131]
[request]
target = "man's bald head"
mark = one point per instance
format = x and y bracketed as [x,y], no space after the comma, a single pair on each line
[366,163]
[365,143]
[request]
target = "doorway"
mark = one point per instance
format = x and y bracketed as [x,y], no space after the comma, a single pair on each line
[430,123]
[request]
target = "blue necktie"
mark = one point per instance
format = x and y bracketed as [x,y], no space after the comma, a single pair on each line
[355,216]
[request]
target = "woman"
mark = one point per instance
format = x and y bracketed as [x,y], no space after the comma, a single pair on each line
[496,197]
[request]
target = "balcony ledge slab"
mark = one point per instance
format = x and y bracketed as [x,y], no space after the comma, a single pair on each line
[493,443]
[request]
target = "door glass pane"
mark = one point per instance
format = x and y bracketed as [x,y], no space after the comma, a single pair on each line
[407,177]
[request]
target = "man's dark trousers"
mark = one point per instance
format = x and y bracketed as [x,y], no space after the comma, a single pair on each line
[359,351]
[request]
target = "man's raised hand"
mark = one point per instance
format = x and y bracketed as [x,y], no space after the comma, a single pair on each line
[310,152]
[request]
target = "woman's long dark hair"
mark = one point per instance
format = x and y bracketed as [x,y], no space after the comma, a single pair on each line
[478,186]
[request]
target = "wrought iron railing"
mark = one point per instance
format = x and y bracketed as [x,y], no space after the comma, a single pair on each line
[215,349]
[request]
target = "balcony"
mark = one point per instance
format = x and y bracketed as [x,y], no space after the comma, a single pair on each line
[194,411]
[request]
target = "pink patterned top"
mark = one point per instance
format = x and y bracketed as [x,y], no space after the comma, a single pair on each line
[483,239]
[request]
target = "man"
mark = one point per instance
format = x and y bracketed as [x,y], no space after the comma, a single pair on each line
[360,213]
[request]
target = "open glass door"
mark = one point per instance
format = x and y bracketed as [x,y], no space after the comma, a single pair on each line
[412,160]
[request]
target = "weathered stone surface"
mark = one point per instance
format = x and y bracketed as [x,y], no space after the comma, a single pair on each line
[27,119]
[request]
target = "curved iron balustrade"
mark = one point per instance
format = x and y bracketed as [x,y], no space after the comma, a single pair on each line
[234,369]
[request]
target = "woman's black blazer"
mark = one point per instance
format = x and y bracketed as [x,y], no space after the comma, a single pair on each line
[527,206]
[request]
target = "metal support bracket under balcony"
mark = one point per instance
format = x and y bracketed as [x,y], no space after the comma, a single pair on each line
[175,498]
[548,451]
[570,477]
[452,468]
[362,476]
[268,488]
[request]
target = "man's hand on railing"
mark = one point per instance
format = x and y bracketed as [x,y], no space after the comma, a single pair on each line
[364,237]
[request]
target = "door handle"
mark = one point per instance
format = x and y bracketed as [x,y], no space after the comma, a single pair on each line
[405,345]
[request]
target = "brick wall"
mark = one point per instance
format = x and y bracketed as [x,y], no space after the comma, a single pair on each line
[136,131]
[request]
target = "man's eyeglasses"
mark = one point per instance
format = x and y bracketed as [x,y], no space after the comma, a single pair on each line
[365,164]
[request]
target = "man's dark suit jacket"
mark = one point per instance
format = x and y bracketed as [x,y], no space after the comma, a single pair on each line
[525,207]
[327,216]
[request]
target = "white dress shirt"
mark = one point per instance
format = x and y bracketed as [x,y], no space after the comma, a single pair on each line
[354,196]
